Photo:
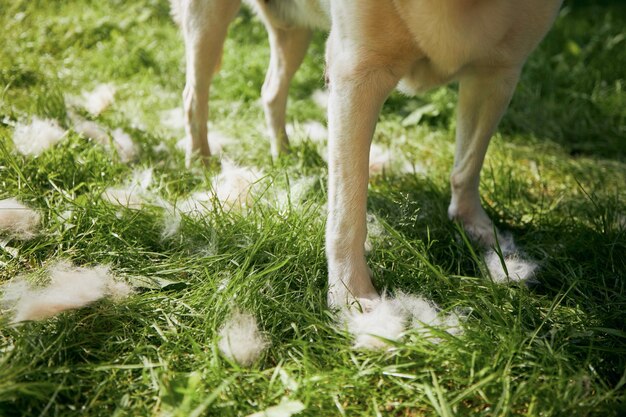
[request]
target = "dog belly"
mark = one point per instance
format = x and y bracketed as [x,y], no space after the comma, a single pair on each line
[312,14]
[423,76]
[455,32]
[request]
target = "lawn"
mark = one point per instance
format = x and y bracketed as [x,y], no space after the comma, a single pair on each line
[555,177]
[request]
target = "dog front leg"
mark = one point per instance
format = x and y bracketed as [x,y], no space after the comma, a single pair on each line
[204,26]
[484,95]
[357,92]
[288,48]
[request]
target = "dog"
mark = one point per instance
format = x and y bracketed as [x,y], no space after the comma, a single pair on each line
[373,47]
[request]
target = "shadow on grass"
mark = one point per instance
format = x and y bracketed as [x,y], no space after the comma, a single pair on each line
[578,306]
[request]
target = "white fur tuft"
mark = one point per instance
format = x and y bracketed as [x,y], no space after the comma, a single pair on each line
[128,197]
[34,138]
[380,159]
[370,328]
[198,203]
[17,220]
[296,193]
[311,129]
[320,98]
[421,311]
[126,148]
[91,130]
[134,194]
[388,318]
[99,99]
[518,269]
[241,340]
[171,218]
[233,187]
[123,143]
[173,119]
[69,288]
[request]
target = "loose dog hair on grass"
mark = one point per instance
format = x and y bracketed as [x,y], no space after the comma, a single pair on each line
[17,220]
[70,287]
[35,137]
[241,340]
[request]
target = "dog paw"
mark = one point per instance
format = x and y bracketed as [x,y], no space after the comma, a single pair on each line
[339,297]
[477,225]
[350,284]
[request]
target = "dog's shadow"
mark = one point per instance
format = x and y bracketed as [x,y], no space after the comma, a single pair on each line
[582,265]
[416,208]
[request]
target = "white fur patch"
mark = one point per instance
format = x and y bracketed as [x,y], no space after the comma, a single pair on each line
[17,220]
[233,187]
[182,144]
[388,318]
[66,219]
[122,142]
[133,195]
[92,130]
[370,328]
[173,119]
[241,340]
[171,224]
[99,99]
[172,218]
[413,168]
[218,141]
[126,148]
[294,196]
[34,138]
[128,197]
[198,203]
[421,311]
[514,269]
[380,159]
[312,129]
[69,288]
[320,98]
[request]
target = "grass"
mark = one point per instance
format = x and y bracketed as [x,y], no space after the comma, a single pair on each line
[555,176]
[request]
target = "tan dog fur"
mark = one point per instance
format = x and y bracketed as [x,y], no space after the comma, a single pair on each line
[375,46]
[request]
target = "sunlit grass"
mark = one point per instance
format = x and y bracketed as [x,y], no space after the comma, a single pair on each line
[555,177]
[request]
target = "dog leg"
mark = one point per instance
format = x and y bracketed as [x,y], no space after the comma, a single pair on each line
[357,92]
[204,27]
[364,64]
[288,48]
[484,95]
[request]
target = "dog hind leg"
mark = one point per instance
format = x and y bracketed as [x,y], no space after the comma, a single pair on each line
[484,95]
[204,27]
[287,48]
